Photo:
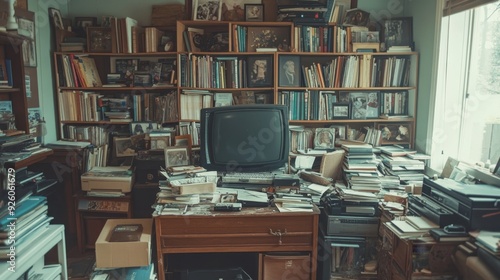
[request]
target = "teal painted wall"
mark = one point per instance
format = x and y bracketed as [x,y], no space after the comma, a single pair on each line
[44,61]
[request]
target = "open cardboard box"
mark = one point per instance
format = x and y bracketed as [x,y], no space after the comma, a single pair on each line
[124,254]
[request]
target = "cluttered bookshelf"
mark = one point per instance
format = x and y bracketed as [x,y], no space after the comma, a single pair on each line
[165,75]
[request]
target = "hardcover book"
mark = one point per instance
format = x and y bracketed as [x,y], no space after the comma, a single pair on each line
[126,233]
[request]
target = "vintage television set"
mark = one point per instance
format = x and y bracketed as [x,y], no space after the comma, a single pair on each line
[244,138]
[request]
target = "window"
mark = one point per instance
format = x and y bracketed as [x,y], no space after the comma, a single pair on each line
[467,104]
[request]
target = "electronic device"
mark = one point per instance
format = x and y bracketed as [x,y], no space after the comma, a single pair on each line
[338,206]
[244,138]
[424,206]
[227,206]
[264,178]
[349,225]
[477,206]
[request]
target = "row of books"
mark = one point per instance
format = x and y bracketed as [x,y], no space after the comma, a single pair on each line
[325,105]
[192,101]
[160,108]
[213,71]
[78,71]
[95,135]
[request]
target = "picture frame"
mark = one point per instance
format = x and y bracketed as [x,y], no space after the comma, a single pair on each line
[123,147]
[85,22]
[26,28]
[209,10]
[268,37]
[398,31]
[176,156]
[341,110]
[29,53]
[359,105]
[159,142]
[56,18]
[99,39]
[289,71]
[356,17]
[142,80]
[183,140]
[260,69]
[254,12]
[395,133]
[137,128]
[234,10]
[324,138]
[340,132]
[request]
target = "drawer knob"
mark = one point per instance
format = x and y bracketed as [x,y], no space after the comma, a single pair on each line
[278,233]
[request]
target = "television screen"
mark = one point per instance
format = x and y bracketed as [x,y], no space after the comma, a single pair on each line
[244,138]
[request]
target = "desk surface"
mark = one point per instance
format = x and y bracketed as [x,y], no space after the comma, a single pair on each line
[254,229]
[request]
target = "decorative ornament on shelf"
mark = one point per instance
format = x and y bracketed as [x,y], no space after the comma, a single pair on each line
[11,20]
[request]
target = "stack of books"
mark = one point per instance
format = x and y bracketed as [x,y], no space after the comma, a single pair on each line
[411,227]
[405,164]
[360,168]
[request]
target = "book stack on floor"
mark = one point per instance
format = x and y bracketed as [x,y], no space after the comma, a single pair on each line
[360,168]
[488,249]
[407,165]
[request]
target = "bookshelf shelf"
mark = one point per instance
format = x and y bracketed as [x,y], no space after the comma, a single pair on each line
[227,66]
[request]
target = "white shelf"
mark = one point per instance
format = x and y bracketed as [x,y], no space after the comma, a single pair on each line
[34,249]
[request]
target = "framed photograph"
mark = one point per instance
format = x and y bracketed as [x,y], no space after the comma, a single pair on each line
[398,32]
[29,53]
[289,71]
[56,18]
[254,12]
[340,132]
[84,22]
[268,37]
[159,142]
[137,128]
[176,156]
[260,69]
[99,39]
[359,104]
[324,138]
[142,80]
[123,147]
[344,97]
[26,28]
[356,17]
[341,110]
[369,37]
[394,133]
[234,10]
[207,10]
[183,140]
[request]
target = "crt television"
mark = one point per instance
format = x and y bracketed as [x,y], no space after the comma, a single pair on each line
[244,138]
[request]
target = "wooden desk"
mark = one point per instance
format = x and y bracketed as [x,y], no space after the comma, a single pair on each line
[250,230]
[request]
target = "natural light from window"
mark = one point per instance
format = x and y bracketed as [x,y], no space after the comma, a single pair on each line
[467,111]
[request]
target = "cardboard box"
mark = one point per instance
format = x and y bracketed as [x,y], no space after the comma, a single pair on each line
[124,254]
[109,178]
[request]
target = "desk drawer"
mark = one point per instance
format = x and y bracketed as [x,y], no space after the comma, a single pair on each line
[234,231]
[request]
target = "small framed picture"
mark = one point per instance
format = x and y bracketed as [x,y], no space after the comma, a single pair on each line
[344,97]
[29,53]
[176,156]
[340,132]
[159,142]
[56,18]
[356,17]
[207,10]
[99,39]
[123,147]
[142,80]
[359,101]
[395,133]
[289,69]
[26,28]
[137,128]
[341,110]
[268,37]
[254,12]
[398,32]
[183,140]
[261,71]
[84,22]
[324,138]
